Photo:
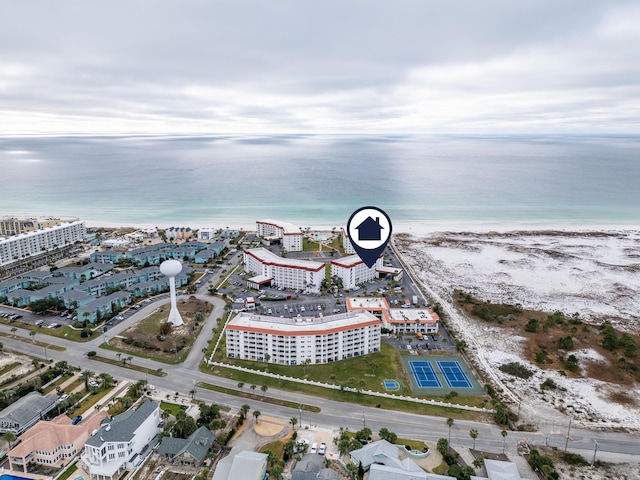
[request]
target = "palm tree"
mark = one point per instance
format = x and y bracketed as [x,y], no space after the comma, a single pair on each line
[473,433]
[13,331]
[267,357]
[244,409]
[253,388]
[9,437]
[256,413]
[129,359]
[86,375]
[450,424]
[264,389]
[293,421]
[118,355]
[240,385]
[107,380]
[306,362]
[32,334]
[504,434]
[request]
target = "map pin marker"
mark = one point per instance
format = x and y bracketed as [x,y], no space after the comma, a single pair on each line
[369,230]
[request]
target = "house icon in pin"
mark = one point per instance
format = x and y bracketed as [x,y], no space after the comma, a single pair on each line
[369,229]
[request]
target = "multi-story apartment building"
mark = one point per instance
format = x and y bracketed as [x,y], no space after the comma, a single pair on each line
[346,243]
[118,444]
[289,234]
[352,270]
[15,225]
[34,243]
[292,341]
[285,272]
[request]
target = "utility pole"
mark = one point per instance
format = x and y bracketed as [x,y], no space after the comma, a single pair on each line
[595,451]
[364,423]
[566,444]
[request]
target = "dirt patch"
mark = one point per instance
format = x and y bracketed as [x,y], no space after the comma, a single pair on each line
[268,426]
[154,335]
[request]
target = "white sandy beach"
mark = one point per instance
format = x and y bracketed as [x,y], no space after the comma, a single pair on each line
[596,274]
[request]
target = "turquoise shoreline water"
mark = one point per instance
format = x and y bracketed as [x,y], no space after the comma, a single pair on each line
[316,180]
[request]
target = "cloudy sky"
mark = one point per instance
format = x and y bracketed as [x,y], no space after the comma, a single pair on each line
[400,66]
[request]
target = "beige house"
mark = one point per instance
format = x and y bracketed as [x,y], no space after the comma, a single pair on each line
[53,443]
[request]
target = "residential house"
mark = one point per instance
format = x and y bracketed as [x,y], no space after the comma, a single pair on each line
[117,445]
[53,443]
[191,451]
[26,412]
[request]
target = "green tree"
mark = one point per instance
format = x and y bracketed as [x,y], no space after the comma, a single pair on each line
[256,414]
[9,437]
[565,343]
[572,363]
[293,421]
[387,435]
[504,434]
[443,446]
[86,375]
[532,325]
[449,424]
[473,433]
[240,385]
[264,389]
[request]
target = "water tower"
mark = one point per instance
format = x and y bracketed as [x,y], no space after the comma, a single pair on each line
[171,268]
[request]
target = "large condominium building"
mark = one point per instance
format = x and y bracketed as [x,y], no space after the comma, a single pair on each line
[15,225]
[289,234]
[398,320]
[353,271]
[346,243]
[34,243]
[291,341]
[284,272]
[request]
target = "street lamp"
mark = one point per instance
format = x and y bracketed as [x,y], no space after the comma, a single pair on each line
[46,358]
[364,423]
[595,451]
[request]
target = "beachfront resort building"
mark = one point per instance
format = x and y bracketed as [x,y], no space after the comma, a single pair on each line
[353,271]
[34,243]
[273,231]
[15,225]
[398,320]
[291,341]
[117,445]
[284,272]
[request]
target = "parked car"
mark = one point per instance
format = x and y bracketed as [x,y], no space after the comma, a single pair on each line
[314,448]
[76,420]
[322,449]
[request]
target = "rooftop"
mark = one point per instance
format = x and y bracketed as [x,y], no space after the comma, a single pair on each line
[270,258]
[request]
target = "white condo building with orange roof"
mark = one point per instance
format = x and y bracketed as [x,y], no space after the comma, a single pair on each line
[291,341]
[352,270]
[284,272]
[346,243]
[398,320]
[289,234]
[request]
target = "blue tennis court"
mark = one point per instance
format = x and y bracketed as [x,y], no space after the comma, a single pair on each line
[454,375]
[424,374]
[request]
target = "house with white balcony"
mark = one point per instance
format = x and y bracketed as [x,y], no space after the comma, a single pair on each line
[117,445]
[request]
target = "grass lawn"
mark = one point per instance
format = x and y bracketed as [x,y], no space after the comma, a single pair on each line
[52,387]
[34,341]
[350,397]
[414,444]
[138,368]
[91,400]
[172,408]
[65,332]
[277,447]
[69,471]
[8,368]
[260,398]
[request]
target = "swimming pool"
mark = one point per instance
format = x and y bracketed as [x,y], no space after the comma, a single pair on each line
[6,476]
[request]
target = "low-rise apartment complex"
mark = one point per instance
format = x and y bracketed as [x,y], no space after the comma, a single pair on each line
[398,320]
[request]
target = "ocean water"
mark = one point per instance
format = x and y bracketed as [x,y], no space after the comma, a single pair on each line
[319,180]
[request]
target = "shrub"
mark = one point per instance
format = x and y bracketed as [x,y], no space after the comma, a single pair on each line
[92,353]
[516,369]
[532,325]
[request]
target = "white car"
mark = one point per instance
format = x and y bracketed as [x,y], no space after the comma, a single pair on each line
[322,449]
[408,347]
[314,448]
